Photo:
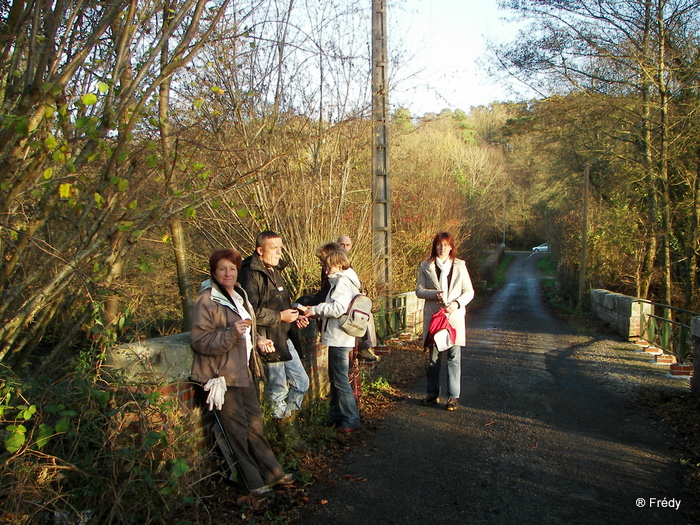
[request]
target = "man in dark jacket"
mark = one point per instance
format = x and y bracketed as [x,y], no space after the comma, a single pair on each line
[261,277]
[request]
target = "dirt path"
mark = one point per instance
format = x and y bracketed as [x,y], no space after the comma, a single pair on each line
[537,438]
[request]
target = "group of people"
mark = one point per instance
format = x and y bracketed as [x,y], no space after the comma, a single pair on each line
[244,328]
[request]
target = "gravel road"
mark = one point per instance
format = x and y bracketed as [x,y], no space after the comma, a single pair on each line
[546,433]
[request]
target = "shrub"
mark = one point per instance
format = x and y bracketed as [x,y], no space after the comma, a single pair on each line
[80,449]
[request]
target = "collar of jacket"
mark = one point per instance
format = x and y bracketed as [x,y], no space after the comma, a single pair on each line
[349,273]
[220,298]
[255,263]
[432,273]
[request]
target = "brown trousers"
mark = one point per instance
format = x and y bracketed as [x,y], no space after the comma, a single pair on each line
[243,422]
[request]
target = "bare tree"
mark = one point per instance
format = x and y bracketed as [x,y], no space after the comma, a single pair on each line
[625,55]
[79,173]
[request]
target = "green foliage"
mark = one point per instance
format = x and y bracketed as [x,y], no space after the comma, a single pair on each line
[502,270]
[378,385]
[546,266]
[402,121]
[73,442]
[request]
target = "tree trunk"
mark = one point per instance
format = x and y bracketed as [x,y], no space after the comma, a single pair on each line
[664,191]
[176,229]
[694,245]
[646,276]
[183,272]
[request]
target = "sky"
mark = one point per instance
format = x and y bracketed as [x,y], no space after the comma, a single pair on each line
[444,39]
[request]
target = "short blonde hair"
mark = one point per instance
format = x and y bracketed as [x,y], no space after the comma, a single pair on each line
[337,258]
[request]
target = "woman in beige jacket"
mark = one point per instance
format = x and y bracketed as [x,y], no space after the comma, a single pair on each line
[444,282]
[224,341]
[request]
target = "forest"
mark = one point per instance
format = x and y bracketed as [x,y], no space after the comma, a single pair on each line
[139,135]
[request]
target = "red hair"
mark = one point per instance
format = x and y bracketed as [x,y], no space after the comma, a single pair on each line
[225,253]
[438,239]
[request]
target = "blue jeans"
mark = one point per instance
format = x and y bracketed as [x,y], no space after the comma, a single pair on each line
[343,408]
[454,371]
[287,382]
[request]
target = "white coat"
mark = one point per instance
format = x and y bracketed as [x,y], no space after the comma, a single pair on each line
[345,284]
[460,290]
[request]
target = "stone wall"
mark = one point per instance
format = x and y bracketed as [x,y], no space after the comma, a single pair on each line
[414,313]
[622,312]
[168,360]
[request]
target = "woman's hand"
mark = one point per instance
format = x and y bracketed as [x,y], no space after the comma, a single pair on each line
[452,307]
[239,327]
[309,312]
[266,346]
[302,321]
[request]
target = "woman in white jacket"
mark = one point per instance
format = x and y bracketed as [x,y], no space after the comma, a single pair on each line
[344,286]
[444,282]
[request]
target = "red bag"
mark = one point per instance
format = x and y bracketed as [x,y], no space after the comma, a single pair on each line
[440,332]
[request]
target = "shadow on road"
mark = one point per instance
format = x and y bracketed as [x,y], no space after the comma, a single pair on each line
[536,440]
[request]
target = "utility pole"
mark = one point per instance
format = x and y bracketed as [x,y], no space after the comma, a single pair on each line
[584,237]
[381,188]
[503,243]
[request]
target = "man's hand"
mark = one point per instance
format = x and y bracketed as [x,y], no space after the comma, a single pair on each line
[452,307]
[290,315]
[302,322]
[266,346]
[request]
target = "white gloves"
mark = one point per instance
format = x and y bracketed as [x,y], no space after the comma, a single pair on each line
[216,388]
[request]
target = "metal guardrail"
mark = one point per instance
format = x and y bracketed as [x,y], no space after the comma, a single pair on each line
[390,315]
[668,328]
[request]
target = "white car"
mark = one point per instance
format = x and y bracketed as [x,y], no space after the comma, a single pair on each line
[542,248]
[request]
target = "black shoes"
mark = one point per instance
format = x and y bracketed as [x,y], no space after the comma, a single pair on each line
[429,400]
[452,403]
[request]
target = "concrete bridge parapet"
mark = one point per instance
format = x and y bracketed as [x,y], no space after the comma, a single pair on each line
[622,312]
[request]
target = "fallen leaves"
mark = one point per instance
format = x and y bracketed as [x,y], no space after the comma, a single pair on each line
[355,479]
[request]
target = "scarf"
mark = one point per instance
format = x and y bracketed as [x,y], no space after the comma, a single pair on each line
[236,303]
[445,269]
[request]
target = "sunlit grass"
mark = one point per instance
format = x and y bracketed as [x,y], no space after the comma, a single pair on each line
[545,266]
[502,270]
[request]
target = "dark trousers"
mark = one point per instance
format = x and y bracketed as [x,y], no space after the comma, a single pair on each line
[243,422]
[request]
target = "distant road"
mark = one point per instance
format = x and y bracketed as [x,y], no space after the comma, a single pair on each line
[535,441]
